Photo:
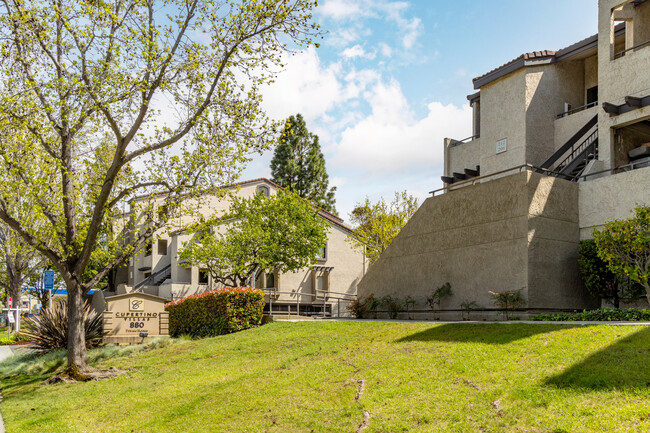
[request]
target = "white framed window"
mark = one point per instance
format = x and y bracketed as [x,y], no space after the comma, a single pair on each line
[322,253]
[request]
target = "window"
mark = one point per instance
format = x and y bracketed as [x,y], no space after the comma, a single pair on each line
[320,281]
[147,248]
[270,281]
[147,275]
[322,253]
[162,247]
[264,190]
[203,276]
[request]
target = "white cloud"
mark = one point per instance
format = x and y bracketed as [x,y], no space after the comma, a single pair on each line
[411,31]
[391,139]
[304,86]
[357,51]
[385,50]
[340,9]
[353,12]
[410,28]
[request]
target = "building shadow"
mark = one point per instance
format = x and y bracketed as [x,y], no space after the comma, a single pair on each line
[623,365]
[488,333]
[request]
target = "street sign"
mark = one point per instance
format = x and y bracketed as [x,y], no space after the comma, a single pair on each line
[48,280]
[11,317]
[9,302]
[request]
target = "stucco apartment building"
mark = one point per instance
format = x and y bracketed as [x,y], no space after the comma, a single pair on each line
[157,270]
[560,146]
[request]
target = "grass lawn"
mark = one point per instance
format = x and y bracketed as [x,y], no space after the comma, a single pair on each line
[306,377]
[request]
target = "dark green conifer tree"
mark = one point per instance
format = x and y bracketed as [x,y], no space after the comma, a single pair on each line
[298,165]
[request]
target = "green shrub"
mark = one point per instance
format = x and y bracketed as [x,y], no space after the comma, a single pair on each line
[217,312]
[600,281]
[436,298]
[467,307]
[358,307]
[49,330]
[393,305]
[602,315]
[507,301]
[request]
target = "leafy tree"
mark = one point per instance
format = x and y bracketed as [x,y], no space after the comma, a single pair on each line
[600,281]
[258,234]
[298,164]
[21,263]
[378,223]
[625,246]
[85,85]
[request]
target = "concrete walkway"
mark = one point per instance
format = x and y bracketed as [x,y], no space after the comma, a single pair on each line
[5,352]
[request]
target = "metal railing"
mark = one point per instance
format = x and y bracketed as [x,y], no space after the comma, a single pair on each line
[571,142]
[324,295]
[487,177]
[576,110]
[463,141]
[641,163]
[590,144]
[622,53]
[151,278]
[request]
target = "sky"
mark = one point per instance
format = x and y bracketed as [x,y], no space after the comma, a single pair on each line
[390,79]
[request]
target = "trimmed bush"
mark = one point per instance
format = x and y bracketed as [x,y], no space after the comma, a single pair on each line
[216,312]
[602,315]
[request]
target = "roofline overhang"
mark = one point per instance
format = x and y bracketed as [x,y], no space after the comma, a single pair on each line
[562,54]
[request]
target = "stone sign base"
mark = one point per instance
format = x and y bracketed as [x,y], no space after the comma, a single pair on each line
[131,314]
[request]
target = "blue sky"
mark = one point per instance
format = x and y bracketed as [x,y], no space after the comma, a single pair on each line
[390,81]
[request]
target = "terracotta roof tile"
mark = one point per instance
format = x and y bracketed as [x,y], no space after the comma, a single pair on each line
[525,56]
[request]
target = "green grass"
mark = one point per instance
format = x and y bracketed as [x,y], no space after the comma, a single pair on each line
[303,377]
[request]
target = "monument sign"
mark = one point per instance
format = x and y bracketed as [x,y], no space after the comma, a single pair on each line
[131,317]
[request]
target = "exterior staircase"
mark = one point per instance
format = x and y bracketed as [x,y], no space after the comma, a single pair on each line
[570,160]
[155,279]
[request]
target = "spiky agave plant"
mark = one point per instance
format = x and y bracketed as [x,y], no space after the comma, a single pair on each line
[49,330]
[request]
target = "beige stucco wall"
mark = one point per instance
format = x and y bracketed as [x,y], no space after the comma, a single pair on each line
[553,242]
[591,73]
[348,262]
[519,231]
[522,107]
[462,156]
[548,88]
[612,197]
[618,78]
[565,127]
[503,116]
[348,268]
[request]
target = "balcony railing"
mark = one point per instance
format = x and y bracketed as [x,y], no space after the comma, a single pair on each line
[622,53]
[577,110]
[463,141]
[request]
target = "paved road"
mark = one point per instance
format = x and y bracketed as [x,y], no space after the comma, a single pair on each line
[5,352]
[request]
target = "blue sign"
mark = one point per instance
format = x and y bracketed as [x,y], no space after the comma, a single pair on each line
[48,280]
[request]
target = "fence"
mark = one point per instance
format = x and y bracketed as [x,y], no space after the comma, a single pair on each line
[324,295]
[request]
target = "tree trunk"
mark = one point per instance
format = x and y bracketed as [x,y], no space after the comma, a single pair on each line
[77,362]
[647,290]
[14,293]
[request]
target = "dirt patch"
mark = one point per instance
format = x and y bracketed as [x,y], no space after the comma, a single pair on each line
[65,377]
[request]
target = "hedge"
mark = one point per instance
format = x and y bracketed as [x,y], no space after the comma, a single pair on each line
[216,312]
[602,315]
